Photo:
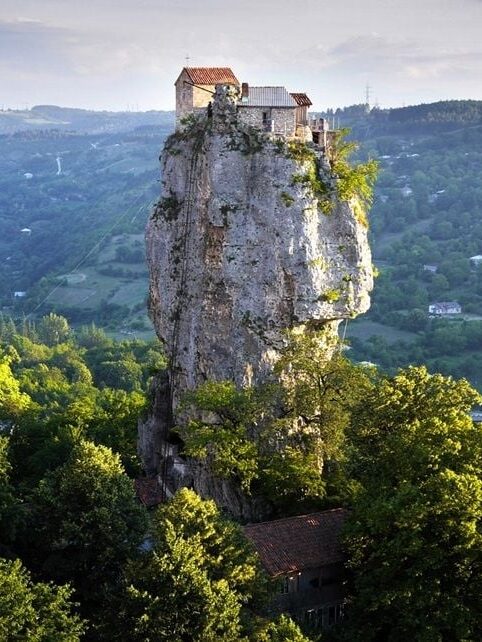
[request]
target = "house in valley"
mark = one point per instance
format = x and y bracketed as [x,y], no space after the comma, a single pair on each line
[476,261]
[444,308]
[304,556]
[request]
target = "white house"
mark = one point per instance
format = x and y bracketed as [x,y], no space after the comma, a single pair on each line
[442,308]
[476,260]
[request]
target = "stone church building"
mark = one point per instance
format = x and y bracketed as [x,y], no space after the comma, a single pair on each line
[195,88]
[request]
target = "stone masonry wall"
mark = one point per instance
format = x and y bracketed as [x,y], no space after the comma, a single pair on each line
[284,118]
[190,99]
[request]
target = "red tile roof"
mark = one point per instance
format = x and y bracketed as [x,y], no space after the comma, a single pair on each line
[302,100]
[211,75]
[296,543]
[148,491]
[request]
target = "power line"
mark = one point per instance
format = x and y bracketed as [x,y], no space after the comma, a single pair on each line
[93,248]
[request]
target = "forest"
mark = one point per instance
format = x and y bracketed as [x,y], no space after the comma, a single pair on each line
[82,559]
[424,229]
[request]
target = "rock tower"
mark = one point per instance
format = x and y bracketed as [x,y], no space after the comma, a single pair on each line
[239,250]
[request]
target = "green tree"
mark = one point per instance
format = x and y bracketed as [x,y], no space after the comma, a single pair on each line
[320,387]
[283,439]
[197,580]
[53,329]
[93,337]
[36,612]
[353,181]
[415,533]
[113,423]
[124,373]
[8,508]
[12,400]
[87,521]
[281,630]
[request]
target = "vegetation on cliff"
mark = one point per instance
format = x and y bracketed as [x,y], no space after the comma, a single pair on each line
[283,440]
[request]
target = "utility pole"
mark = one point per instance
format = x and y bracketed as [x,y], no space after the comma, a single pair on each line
[368,91]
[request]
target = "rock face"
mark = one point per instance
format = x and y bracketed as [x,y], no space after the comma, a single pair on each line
[238,251]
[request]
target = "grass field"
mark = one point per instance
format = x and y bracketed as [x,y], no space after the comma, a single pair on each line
[107,254]
[131,293]
[88,288]
[385,240]
[364,329]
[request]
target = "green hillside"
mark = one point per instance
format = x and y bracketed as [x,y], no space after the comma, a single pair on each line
[73,207]
[426,224]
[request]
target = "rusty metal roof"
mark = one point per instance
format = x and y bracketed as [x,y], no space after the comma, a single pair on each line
[267,97]
[295,543]
[302,100]
[211,75]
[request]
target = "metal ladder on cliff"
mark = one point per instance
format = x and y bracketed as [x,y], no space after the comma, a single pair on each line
[185,234]
[181,292]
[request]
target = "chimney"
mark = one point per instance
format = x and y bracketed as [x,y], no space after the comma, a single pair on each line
[244,91]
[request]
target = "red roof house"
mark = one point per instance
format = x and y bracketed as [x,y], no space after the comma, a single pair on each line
[304,554]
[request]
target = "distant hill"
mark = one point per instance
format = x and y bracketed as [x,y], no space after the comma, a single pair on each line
[441,116]
[76,188]
[64,119]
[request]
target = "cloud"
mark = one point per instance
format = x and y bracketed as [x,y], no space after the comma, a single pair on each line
[33,46]
[370,54]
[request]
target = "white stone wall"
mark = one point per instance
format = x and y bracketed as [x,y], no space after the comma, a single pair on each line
[284,118]
[184,97]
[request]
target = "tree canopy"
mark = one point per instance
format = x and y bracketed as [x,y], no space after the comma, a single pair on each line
[36,612]
[415,533]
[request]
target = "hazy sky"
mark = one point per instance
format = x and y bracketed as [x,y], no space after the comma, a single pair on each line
[111,54]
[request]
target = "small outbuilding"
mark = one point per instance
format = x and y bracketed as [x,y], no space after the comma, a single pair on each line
[303,103]
[271,109]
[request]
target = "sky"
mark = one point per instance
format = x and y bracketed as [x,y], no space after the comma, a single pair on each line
[126,54]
